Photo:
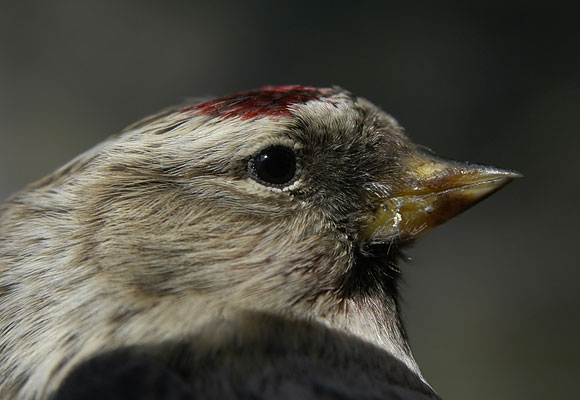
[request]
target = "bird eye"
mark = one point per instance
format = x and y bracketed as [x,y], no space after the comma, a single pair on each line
[274,166]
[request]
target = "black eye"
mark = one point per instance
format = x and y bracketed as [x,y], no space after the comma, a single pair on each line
[274,166]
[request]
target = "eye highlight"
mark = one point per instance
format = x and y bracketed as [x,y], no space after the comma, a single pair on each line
[274,166]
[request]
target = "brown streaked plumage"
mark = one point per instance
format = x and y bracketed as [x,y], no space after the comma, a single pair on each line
[166,239]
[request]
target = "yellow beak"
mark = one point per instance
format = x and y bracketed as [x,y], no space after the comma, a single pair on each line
[433,192]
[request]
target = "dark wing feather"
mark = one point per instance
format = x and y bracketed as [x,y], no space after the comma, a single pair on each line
[256,357]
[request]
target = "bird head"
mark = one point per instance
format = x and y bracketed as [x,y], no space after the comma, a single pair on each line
[284,199]
[288,200]
[276,184]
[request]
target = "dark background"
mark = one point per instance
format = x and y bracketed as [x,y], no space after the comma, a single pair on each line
[492,297]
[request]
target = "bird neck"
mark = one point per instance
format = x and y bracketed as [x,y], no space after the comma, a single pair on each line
[374,319]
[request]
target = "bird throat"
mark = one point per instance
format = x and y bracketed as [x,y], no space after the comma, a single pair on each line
[369,305]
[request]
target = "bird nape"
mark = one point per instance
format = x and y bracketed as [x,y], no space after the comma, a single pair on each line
[245,247]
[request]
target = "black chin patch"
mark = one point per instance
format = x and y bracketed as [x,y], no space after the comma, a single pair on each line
[376,270]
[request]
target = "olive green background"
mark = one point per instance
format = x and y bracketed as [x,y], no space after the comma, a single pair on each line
[491,299]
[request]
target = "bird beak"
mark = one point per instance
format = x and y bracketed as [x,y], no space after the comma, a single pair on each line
[433,191]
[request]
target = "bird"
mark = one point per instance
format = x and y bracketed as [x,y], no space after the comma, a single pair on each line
[245,247]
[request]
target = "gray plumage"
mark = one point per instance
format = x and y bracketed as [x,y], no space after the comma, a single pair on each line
[161,244]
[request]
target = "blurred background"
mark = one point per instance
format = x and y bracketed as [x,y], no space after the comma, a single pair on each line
[491,298]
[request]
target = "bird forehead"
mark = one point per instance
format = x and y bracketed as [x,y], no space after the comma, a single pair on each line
[268,101]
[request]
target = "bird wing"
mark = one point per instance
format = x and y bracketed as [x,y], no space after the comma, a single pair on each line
[265,357]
